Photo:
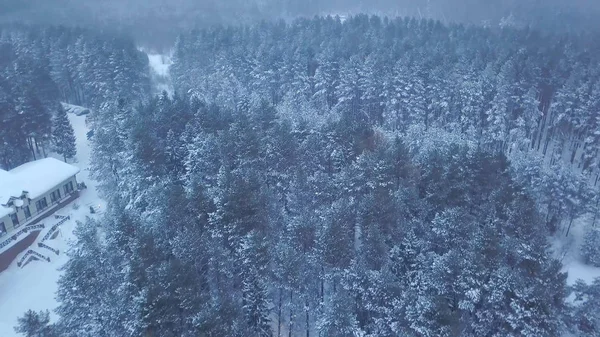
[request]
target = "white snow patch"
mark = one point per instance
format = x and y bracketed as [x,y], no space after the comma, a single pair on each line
[75,109]
[160,63]
[567,250]
[34,286]
[579,271]
[159,72]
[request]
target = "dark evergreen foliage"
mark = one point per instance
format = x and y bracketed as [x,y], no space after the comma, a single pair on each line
[243,223]
[36,324]
[585,316]
[530,95]
[590,249]
[63,136]
[40,67]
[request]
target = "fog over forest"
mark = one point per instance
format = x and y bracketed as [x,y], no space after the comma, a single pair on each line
[157,22]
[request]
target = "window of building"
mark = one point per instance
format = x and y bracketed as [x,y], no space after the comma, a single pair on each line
[15,219]
[2,229]
[55,196]
[41,204]
[27,212]
[69,187]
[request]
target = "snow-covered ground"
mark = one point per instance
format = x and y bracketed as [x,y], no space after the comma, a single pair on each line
[34,286]
[567,251]
[577,270]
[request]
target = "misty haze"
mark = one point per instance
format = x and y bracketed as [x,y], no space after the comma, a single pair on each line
[262,168]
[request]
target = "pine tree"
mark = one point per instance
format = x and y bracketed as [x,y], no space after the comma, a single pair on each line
[590,250]
[254,261]
[585,319]
[36,324]
[85,290]
[339,319]
[63,136]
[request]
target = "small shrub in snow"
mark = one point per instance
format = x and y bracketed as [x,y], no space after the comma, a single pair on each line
[590,250]
[76,206]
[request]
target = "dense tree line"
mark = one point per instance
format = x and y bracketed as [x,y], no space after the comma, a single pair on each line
[249,222]
[498,87]
[369,178]
[156,23]
[534,97]
[88,68]
[27,98]
[40,67]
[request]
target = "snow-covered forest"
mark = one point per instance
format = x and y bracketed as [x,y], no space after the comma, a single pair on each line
[531,96]
[372,176]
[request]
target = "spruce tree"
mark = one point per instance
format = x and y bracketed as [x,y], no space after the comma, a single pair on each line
[63,136]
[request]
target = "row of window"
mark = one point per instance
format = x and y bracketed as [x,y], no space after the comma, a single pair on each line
[40,205]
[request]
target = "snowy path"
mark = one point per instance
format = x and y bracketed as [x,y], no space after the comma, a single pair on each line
[34,286]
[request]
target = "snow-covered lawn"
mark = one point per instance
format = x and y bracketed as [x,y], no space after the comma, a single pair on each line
[34,286]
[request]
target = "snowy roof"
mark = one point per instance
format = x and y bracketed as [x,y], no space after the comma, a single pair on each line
[36,178]
[9,186]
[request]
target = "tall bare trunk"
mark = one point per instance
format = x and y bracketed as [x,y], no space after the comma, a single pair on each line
[307,308]
[30,145]
[322,281]
[571,220]
[595,212]
[291,320]
[279,305]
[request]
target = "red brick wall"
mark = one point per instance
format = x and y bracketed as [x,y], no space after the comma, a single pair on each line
[7,257]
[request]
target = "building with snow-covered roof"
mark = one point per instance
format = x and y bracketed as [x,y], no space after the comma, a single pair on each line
[33,190]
